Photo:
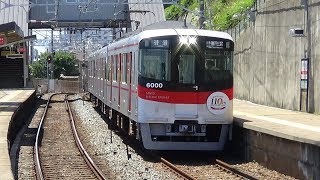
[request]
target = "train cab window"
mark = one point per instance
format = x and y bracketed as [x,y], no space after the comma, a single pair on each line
[124,69]
[155,64]
[218,65]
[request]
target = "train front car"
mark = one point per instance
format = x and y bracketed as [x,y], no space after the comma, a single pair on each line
[185,89]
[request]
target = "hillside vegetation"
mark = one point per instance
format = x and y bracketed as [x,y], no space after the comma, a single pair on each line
[219,14]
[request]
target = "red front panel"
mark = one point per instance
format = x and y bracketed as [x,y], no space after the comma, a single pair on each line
[178,97]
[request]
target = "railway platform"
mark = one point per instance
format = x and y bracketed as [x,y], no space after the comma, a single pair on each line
[14,105]
[283,140]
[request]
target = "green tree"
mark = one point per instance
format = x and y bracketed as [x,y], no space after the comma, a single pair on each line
[63,63]
[38,69]
[175,12]
[220,14]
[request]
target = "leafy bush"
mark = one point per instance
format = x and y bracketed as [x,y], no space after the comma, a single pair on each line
[174,12]
[221,14]
[228,14]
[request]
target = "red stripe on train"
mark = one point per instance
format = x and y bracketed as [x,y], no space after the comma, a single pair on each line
[178,97]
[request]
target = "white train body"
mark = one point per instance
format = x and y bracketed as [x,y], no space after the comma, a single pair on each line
[176,85]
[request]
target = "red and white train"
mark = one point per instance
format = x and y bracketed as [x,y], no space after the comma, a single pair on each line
[170,88]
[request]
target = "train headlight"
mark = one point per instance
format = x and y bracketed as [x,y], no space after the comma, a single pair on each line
[188,40]
[192,40]
[184,40]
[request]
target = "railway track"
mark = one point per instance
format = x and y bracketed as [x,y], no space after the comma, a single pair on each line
[58,151]
[198,166]
[218,170]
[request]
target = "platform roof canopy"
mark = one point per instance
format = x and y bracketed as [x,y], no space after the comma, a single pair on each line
[11,33]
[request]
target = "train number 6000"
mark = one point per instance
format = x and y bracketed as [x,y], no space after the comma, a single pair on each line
[154,85]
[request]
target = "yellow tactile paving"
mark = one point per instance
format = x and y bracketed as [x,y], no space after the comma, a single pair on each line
[9,101]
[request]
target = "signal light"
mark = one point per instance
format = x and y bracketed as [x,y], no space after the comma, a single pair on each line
[49,59]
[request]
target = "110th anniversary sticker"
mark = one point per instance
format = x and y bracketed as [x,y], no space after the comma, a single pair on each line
[217,103]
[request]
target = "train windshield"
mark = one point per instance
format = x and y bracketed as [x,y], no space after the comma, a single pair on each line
[217,65]
[155,64]
[204,62]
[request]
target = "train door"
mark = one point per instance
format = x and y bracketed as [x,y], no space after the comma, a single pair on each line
[129,79]
[95,77]
[124,83]
[119,79]
[109,81]
[100,77]
[105,63]
[186,66]
[134,82]
[113,77]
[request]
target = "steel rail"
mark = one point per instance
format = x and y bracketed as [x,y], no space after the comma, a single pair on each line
[179,171]
[220,163]
[38,169]
[226,166]
[82,150]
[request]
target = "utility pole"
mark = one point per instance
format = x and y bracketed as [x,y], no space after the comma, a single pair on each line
[201,18]
[51,75]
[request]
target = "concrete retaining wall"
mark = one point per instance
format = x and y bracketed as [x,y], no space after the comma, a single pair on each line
[292,158]
[267,60]
[19,118]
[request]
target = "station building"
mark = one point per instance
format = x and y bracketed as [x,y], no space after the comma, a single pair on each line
[14,43]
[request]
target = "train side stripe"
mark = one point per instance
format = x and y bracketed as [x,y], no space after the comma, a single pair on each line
[178,97]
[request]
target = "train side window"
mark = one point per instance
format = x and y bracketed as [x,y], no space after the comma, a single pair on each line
[124,68]
[102,68]
[99,65]
[134,71]
[105,63]
[114,69]
[91,67]
[94,68]
[129,69]
[119,68]
[108,69]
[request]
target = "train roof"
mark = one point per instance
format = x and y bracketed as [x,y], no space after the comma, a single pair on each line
[168,28]
[165,28]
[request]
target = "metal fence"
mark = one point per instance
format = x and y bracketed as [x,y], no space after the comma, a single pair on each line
[237,30]
[55,86]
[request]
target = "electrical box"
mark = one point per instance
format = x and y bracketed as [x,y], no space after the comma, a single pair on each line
[296,32]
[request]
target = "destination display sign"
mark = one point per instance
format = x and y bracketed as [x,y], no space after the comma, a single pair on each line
[214,44]
[160,43]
